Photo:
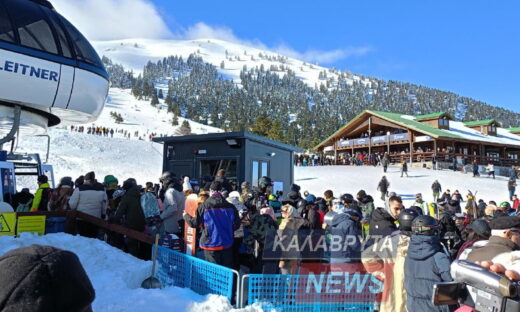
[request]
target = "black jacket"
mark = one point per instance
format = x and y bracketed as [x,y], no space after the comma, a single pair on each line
[130,207]
[494,247]
[381,223]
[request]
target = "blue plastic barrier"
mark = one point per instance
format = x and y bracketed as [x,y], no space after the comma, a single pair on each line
[295,293]
[178,269]
[55,225]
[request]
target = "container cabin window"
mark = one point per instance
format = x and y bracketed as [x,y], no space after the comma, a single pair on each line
[6,175]
[209,168]
[259,169]
[33,29]
[6,29]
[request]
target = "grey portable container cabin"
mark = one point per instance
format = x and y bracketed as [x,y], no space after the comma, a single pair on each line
[244,156]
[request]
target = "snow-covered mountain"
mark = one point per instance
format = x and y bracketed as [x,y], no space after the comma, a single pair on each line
[135,53]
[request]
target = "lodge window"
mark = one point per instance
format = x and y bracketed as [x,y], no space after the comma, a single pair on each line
[492,129]
[444,122]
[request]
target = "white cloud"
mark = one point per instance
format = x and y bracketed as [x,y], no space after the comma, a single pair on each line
[205,31]
[321,56]
[123,19]
[114,19]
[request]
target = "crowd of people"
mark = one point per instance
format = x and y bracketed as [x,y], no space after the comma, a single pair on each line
[234,223]
[111,132]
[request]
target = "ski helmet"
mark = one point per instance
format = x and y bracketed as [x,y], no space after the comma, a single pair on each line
[264,182]
[426,225]
[417,209]
[167,176]
[406,218]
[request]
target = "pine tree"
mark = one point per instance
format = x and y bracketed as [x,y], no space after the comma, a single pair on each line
[175,120]
[155,100]
[222,65]
[161,96]
[184,129]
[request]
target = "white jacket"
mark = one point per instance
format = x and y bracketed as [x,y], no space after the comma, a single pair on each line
[90,199]
[173,208]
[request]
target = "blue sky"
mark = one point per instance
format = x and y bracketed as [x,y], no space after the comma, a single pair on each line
[469,47]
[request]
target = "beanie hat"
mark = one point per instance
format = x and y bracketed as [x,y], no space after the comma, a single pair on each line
[43,179]
[44,278]
[90,176]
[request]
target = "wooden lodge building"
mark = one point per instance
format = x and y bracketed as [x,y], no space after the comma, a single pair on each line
[418,138]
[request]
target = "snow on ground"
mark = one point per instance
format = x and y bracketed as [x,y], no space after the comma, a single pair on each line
[143,117]
[135,53]
[351,179]
[74,154]
[117,276]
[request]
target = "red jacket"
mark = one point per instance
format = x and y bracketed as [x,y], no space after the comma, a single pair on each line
[516,204]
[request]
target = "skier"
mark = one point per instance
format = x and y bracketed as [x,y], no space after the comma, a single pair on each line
[60,196]
[419,202]
[388,263]
[89,198]
[173,204]
[218,220]
[130,208]
[425,265]
[383,187]
[42,195]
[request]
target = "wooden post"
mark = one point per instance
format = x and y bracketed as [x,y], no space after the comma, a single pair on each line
[410,139]
[369,135]
[335,152]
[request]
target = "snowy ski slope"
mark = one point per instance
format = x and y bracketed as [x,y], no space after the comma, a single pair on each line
[135,53]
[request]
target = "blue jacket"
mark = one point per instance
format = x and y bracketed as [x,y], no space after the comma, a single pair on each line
[342,226]
[218,219]
[425,265]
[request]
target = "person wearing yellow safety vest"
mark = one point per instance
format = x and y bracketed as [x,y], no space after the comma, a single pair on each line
[42,195]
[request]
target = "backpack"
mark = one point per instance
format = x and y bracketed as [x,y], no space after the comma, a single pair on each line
[150,205]
[24,207]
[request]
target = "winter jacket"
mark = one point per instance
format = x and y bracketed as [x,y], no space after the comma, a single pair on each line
[436,187]
[218,220]
[382,223]
[516,204]
[424,207]
[383,186]
[239,233]
[22,200]
[258,228]
[173,208]
[130,207]
[41,198]
[388,257]
[342,226]
[225,184]
[511,185]
[425,265]
[494,247]
[90,199]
